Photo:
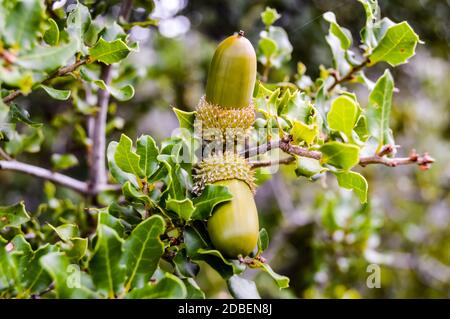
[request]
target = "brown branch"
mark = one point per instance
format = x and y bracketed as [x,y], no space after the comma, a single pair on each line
[57,178]
[60,72]
[286,160]
[424,161]
[349,75]
[5,155]
[97,170]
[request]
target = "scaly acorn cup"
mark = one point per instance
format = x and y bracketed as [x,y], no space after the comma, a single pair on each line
[228,104]
[233,226]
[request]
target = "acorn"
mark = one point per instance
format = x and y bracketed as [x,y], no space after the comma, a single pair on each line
[233,226]
[228,104]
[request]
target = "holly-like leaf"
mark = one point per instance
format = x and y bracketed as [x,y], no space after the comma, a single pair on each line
[19,143]
[304,132]
[308,167]
[119,175]
[241,288]
[43,58]
[341,155]
[282,281]
[148,151]
[186,119]
[78,23]
[142,251]
[69,280]
[354,181]
[344,35]
[397,45]
[124,93]
[106,271]
[63,161]
[61,95]
[13,216]
[211,196]
[198,248]
[51,35]
[22,22]
[109,52]
[169,287]
[193,291]
[343,115]
[126,159]
[134,196]
[66,231]
[379,109]
[182,207]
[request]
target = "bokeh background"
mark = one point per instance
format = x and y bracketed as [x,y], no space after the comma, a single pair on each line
[321,237]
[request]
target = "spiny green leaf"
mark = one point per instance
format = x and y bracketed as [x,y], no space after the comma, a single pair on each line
[62,95]
[66,231]
[142,251]
[119,175]
[282,281]
[308,167]
[126,159]
[42,58]
[186,119]
[304,132]
[51,35]
[211,196]
[109,52]
[124,93]
[107,273]
[134,196]
[148,151]
[182,207]
[13,216]
[341,155]
[397,45]
[23,22]
[343,115]
[379,108]
[169,287]
[342,34]
[70,281]
[354,181]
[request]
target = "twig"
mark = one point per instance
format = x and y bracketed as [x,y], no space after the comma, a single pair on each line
[349,75]
[261,149]
[424,161]
[60,72]
[286,160]
[97,171]
[58,178]
[5,155]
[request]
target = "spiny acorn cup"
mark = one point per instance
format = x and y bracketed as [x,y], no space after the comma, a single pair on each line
[233,226]
[228,104]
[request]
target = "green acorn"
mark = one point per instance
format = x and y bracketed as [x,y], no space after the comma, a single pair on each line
[227,104]
[232,73]
[233,226]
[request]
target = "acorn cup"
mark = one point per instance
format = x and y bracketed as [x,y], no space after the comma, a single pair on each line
[227,107]
[233,227]
[227,112]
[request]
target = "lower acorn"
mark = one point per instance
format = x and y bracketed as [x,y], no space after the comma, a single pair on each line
[233,227]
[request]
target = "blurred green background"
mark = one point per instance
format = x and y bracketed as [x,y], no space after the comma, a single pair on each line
[321,237]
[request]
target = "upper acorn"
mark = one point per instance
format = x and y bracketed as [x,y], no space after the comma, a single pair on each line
[232,73]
